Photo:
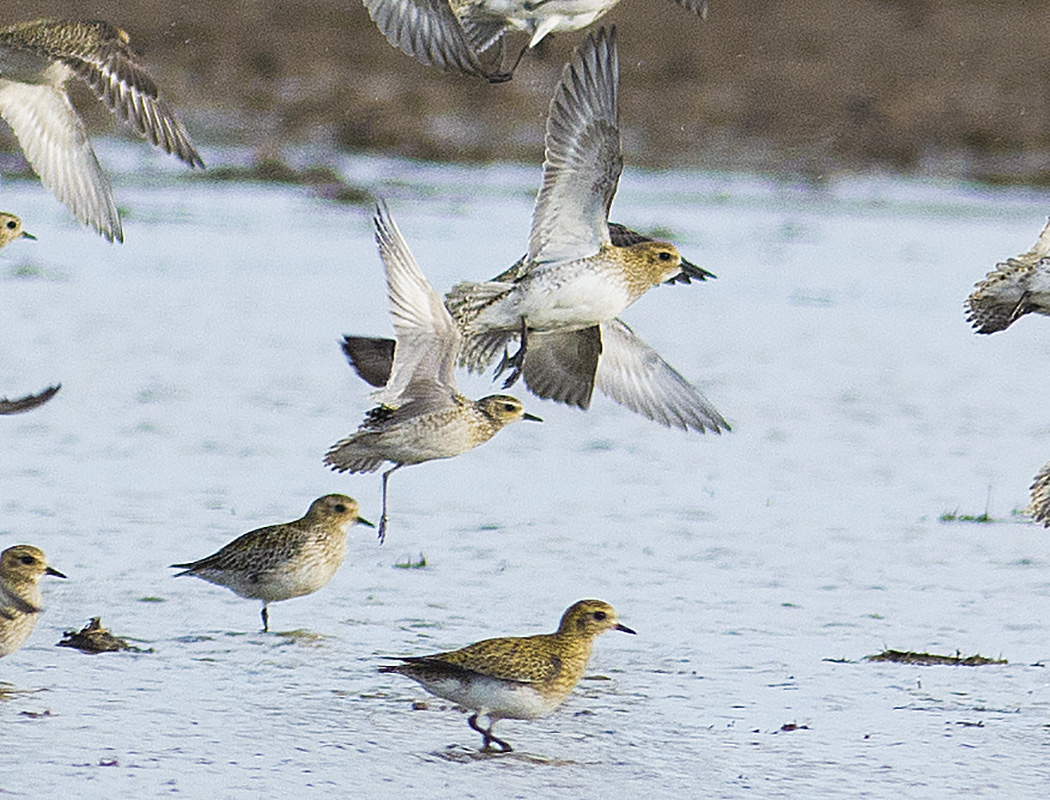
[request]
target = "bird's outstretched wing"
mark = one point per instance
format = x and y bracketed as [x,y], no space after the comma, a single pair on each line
[583,157]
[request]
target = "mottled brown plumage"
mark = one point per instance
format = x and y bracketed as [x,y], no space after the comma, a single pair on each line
[279,562]
[21,568]
[515,677]
[1039,507]
[1016,287]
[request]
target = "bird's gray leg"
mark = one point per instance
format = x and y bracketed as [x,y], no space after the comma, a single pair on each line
[382,519]
[503,746]
[265,619]
[488,737]
[509,73]
[1021,308]
[516,361]
[500,77]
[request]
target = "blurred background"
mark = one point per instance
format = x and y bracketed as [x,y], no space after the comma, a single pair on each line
[957,88]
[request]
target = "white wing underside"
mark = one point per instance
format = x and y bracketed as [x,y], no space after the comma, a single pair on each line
[583,158]
[634,375]
[428,340]
[57,146]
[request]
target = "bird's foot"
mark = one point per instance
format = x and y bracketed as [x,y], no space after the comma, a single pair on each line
[502,745]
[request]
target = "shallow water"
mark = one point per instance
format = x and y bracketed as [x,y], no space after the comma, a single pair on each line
[202,384]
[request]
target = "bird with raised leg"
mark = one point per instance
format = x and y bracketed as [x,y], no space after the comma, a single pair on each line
[420,414]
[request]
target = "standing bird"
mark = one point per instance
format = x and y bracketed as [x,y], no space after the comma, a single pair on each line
[586,346]
[37,59]
[279,562]
[421,415]
[517,677]
[452,33]
[21,602]
[11,229]
[1014,288]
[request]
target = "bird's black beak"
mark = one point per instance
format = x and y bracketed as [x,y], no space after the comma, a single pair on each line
[53,571]
[28,235]
[365,522]
[625,629]
[531,417]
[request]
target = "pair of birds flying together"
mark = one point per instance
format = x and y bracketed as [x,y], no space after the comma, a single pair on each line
[559,303]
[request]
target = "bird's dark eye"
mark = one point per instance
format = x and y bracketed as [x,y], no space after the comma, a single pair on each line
[508,406]
[339,508]
[599,615]
[664,256]
[28,560]
[11,224]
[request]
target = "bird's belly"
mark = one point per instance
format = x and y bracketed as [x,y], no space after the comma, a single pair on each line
[499,699]
[281,583]
[15,627]
[550,16]
[585,300]
[442,435]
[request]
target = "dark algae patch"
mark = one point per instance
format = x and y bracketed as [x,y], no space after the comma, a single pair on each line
[929,659]
[93,638]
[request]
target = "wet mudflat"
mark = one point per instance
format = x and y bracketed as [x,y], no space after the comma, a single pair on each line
[202,384]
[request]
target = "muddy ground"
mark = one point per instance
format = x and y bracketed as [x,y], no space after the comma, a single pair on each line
[946,87]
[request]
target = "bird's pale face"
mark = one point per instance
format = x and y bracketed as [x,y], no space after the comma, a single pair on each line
[590,618]
[658,261]
[505,409]
[333,507]
[24,563]
[11,229]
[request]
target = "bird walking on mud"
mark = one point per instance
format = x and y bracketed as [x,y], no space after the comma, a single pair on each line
[279,562]
[453,34]
[420,414]
[37,59]
[580,272]
[514,677]
[21,568]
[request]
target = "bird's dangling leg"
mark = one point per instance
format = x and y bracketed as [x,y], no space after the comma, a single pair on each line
[516,362]
[500,77]
[265,619]
[382,519]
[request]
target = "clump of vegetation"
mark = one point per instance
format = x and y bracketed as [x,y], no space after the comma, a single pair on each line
[929,659]
[93,638]
[955,516]
[408,563]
